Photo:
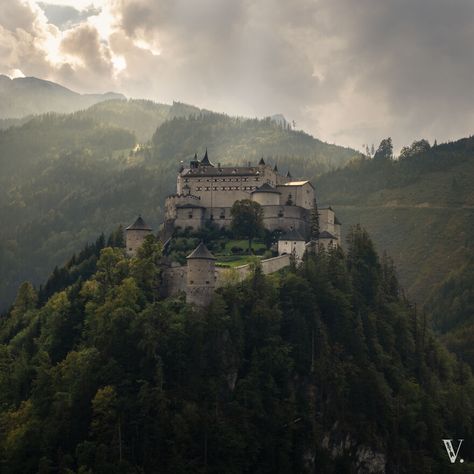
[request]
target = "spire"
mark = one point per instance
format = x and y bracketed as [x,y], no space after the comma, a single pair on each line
[205,160]
[275,168]
[261,162]
[288,175]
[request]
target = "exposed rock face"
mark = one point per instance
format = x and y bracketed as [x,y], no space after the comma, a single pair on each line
[366,459]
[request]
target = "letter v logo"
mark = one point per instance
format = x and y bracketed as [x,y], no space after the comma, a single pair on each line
[448,443]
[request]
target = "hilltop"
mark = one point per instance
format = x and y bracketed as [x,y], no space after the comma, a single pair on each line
[24,96]
[324,368]
[66,178]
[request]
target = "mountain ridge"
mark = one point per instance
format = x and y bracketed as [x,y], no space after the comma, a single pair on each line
[23,96]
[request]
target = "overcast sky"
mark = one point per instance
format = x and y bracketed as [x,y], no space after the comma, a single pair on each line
[347,71]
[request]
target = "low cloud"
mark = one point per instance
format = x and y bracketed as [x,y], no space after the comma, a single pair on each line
[350,73]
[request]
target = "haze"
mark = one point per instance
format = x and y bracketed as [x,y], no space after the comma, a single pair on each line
[349,72]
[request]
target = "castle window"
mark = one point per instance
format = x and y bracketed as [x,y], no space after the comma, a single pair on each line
[215,188]
[190,216]
[207,188]
[207,283]
[191,282]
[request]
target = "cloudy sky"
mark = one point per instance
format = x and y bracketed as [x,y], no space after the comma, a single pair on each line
[348,71]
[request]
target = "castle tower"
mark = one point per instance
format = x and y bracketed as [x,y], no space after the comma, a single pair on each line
[266,195]
[201,276]
[135,235]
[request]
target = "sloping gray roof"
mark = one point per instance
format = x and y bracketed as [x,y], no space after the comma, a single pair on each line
[327,235]
[266,188]
[337,221]
[202,252]
[292,234]
[139,224]
[262,161]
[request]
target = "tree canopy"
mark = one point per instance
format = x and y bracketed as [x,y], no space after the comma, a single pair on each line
[247,219]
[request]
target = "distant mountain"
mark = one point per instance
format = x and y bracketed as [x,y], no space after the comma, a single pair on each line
[25,96]
[66,178]
[142,117]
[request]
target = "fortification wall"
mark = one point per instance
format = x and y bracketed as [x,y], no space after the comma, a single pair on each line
[174,280]
[274,264]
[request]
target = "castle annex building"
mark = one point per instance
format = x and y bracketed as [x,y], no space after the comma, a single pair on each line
[207,191]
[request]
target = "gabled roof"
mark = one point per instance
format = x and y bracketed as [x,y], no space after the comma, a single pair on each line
[288,174]
[292,234]
[261,162]
[201,252]
[327,235]
[275,168]
[266,188]
[139,224]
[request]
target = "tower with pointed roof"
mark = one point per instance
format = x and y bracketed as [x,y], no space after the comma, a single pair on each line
[135,235]
[201,276]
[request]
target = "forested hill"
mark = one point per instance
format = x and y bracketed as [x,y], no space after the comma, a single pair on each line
[419,208]
[25,96]
[66,178]
[238,140]
[325,368]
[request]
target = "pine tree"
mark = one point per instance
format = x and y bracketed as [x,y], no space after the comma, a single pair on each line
[315,230]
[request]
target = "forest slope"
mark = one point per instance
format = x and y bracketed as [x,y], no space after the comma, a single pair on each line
[321,369]
[420,210]
[66,178]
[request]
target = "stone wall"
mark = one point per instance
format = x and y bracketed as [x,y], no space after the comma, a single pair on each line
[174,280]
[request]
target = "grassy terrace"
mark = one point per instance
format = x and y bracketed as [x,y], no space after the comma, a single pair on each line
[226,258]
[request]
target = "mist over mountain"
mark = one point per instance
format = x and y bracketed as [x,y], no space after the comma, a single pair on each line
[67,178]
[23,96]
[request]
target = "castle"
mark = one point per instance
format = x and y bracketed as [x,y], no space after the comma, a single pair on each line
[206,192]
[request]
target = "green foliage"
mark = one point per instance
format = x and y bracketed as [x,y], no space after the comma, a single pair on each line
[107,377]
[418,209]
[247,219]
[452,309]
[315,228]
[385,150]
[65,178]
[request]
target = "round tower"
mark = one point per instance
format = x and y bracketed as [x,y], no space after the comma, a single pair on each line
[135,235]
[201,276]
[266,195]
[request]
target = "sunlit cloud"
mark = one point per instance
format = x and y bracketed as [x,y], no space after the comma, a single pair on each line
[402,69]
